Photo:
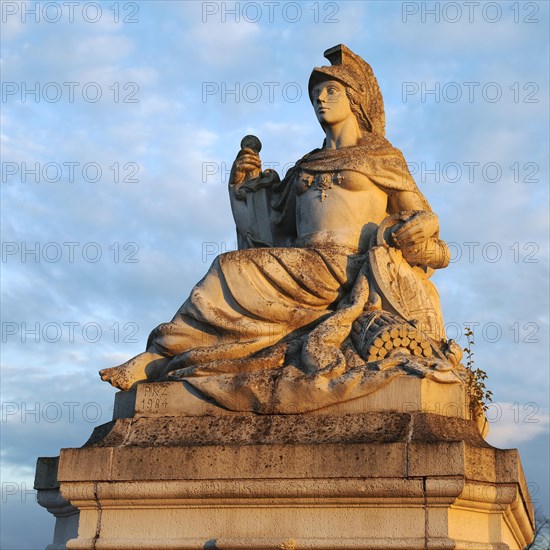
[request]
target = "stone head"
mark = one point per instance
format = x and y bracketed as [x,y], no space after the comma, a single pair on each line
[361,87]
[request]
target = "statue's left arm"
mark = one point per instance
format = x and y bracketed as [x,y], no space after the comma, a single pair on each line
[418,238]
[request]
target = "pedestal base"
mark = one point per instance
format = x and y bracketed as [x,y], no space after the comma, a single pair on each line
[407,480]
[49,496]
[405,467]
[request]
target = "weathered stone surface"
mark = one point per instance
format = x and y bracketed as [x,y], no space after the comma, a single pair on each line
[223,479]
[314,400]
[239,429]
[405,394]
[49,496]
[328,296]
[45,476]
[371,480]
[400,394]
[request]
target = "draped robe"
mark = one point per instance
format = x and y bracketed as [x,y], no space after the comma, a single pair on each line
[260,310]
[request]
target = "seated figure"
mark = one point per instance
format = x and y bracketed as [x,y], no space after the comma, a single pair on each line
[329,293]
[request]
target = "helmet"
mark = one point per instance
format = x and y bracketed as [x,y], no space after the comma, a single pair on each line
[361,84]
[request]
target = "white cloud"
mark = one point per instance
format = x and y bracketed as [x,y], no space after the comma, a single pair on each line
[512,423]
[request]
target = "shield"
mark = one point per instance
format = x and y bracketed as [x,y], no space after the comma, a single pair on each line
[404,288]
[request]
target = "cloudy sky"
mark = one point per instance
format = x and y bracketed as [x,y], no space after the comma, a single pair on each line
[120,121]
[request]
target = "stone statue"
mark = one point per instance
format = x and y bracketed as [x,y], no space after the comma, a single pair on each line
[328,296]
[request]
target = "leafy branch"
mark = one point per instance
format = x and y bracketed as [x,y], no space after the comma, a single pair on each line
[479,395]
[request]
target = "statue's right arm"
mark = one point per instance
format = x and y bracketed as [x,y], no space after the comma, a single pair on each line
[246,164]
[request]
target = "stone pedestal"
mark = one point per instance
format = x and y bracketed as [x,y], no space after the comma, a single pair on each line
[181,473]
[49,496]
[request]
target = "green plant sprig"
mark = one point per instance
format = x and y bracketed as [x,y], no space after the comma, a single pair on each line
[479,395]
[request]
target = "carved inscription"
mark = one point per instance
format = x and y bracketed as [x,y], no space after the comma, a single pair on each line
[154,399]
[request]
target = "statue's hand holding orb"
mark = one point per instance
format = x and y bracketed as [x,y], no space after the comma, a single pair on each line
[247,165]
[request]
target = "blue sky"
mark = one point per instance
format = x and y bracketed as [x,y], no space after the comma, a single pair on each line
[114,201]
